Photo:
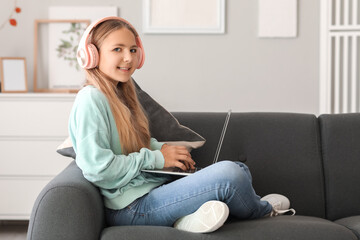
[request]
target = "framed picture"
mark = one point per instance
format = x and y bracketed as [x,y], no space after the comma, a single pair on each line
[277,18]
[184,16]
[13,75]
[55,46]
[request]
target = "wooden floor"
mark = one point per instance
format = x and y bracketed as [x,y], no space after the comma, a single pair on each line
[13,230]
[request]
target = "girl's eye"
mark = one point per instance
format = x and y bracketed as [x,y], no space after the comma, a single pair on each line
[117,49]
[133,50]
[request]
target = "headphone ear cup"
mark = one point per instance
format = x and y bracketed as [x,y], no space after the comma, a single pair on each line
[93,58]
[141,52]
[141,58]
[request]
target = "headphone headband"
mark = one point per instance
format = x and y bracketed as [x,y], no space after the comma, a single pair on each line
[87,54]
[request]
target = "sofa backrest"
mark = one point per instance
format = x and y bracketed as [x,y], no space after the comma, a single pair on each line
[208,125]
[340,137]
[282,151]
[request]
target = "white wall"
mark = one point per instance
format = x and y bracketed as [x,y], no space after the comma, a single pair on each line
[236,70]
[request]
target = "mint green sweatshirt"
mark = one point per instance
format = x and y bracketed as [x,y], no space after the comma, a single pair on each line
[98,152]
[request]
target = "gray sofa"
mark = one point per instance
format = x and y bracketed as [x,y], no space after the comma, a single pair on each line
[315,161]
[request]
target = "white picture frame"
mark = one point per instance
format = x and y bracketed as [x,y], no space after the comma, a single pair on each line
[184,16]
[277,19]
[13,75]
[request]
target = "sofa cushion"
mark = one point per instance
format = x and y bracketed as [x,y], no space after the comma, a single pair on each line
[164,126]
[282,151]
[352,223]
[340,135]
[283,227]
[208,125]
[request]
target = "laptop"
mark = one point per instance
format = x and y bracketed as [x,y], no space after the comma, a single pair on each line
[180,172]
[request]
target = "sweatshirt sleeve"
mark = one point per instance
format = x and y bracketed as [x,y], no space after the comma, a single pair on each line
[155,145]
[108,170]
[91,128]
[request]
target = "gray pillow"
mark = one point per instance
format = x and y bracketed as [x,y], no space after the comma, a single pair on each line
[163,126]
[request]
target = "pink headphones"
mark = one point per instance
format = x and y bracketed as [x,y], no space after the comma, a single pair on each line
[88,55]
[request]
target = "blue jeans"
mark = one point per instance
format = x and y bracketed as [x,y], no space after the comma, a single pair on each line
[226,181]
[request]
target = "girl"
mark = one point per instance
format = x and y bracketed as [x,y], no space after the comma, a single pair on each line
[110,135]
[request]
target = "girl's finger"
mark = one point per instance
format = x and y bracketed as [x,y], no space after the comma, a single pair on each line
[180,165]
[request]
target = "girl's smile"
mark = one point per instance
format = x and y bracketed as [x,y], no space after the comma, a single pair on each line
[124,69]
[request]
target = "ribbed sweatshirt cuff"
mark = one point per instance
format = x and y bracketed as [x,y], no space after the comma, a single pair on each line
[159,160]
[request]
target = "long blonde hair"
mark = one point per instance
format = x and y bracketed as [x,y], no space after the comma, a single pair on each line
[131,121]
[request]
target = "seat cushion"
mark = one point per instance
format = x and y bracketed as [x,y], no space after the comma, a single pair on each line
[340,137]
[283,227]
[352,223]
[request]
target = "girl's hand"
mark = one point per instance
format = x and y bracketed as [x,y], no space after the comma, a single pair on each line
[177,156]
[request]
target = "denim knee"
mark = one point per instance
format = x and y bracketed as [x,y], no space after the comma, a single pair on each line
[232,172]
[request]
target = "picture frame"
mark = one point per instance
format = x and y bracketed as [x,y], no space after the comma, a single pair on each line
[55,64]
[277,18]
[184,16]
[13,75]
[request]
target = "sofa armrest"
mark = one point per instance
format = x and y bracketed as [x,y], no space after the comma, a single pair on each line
[69,207]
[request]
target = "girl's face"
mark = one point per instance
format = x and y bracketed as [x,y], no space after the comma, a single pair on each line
[118,55]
